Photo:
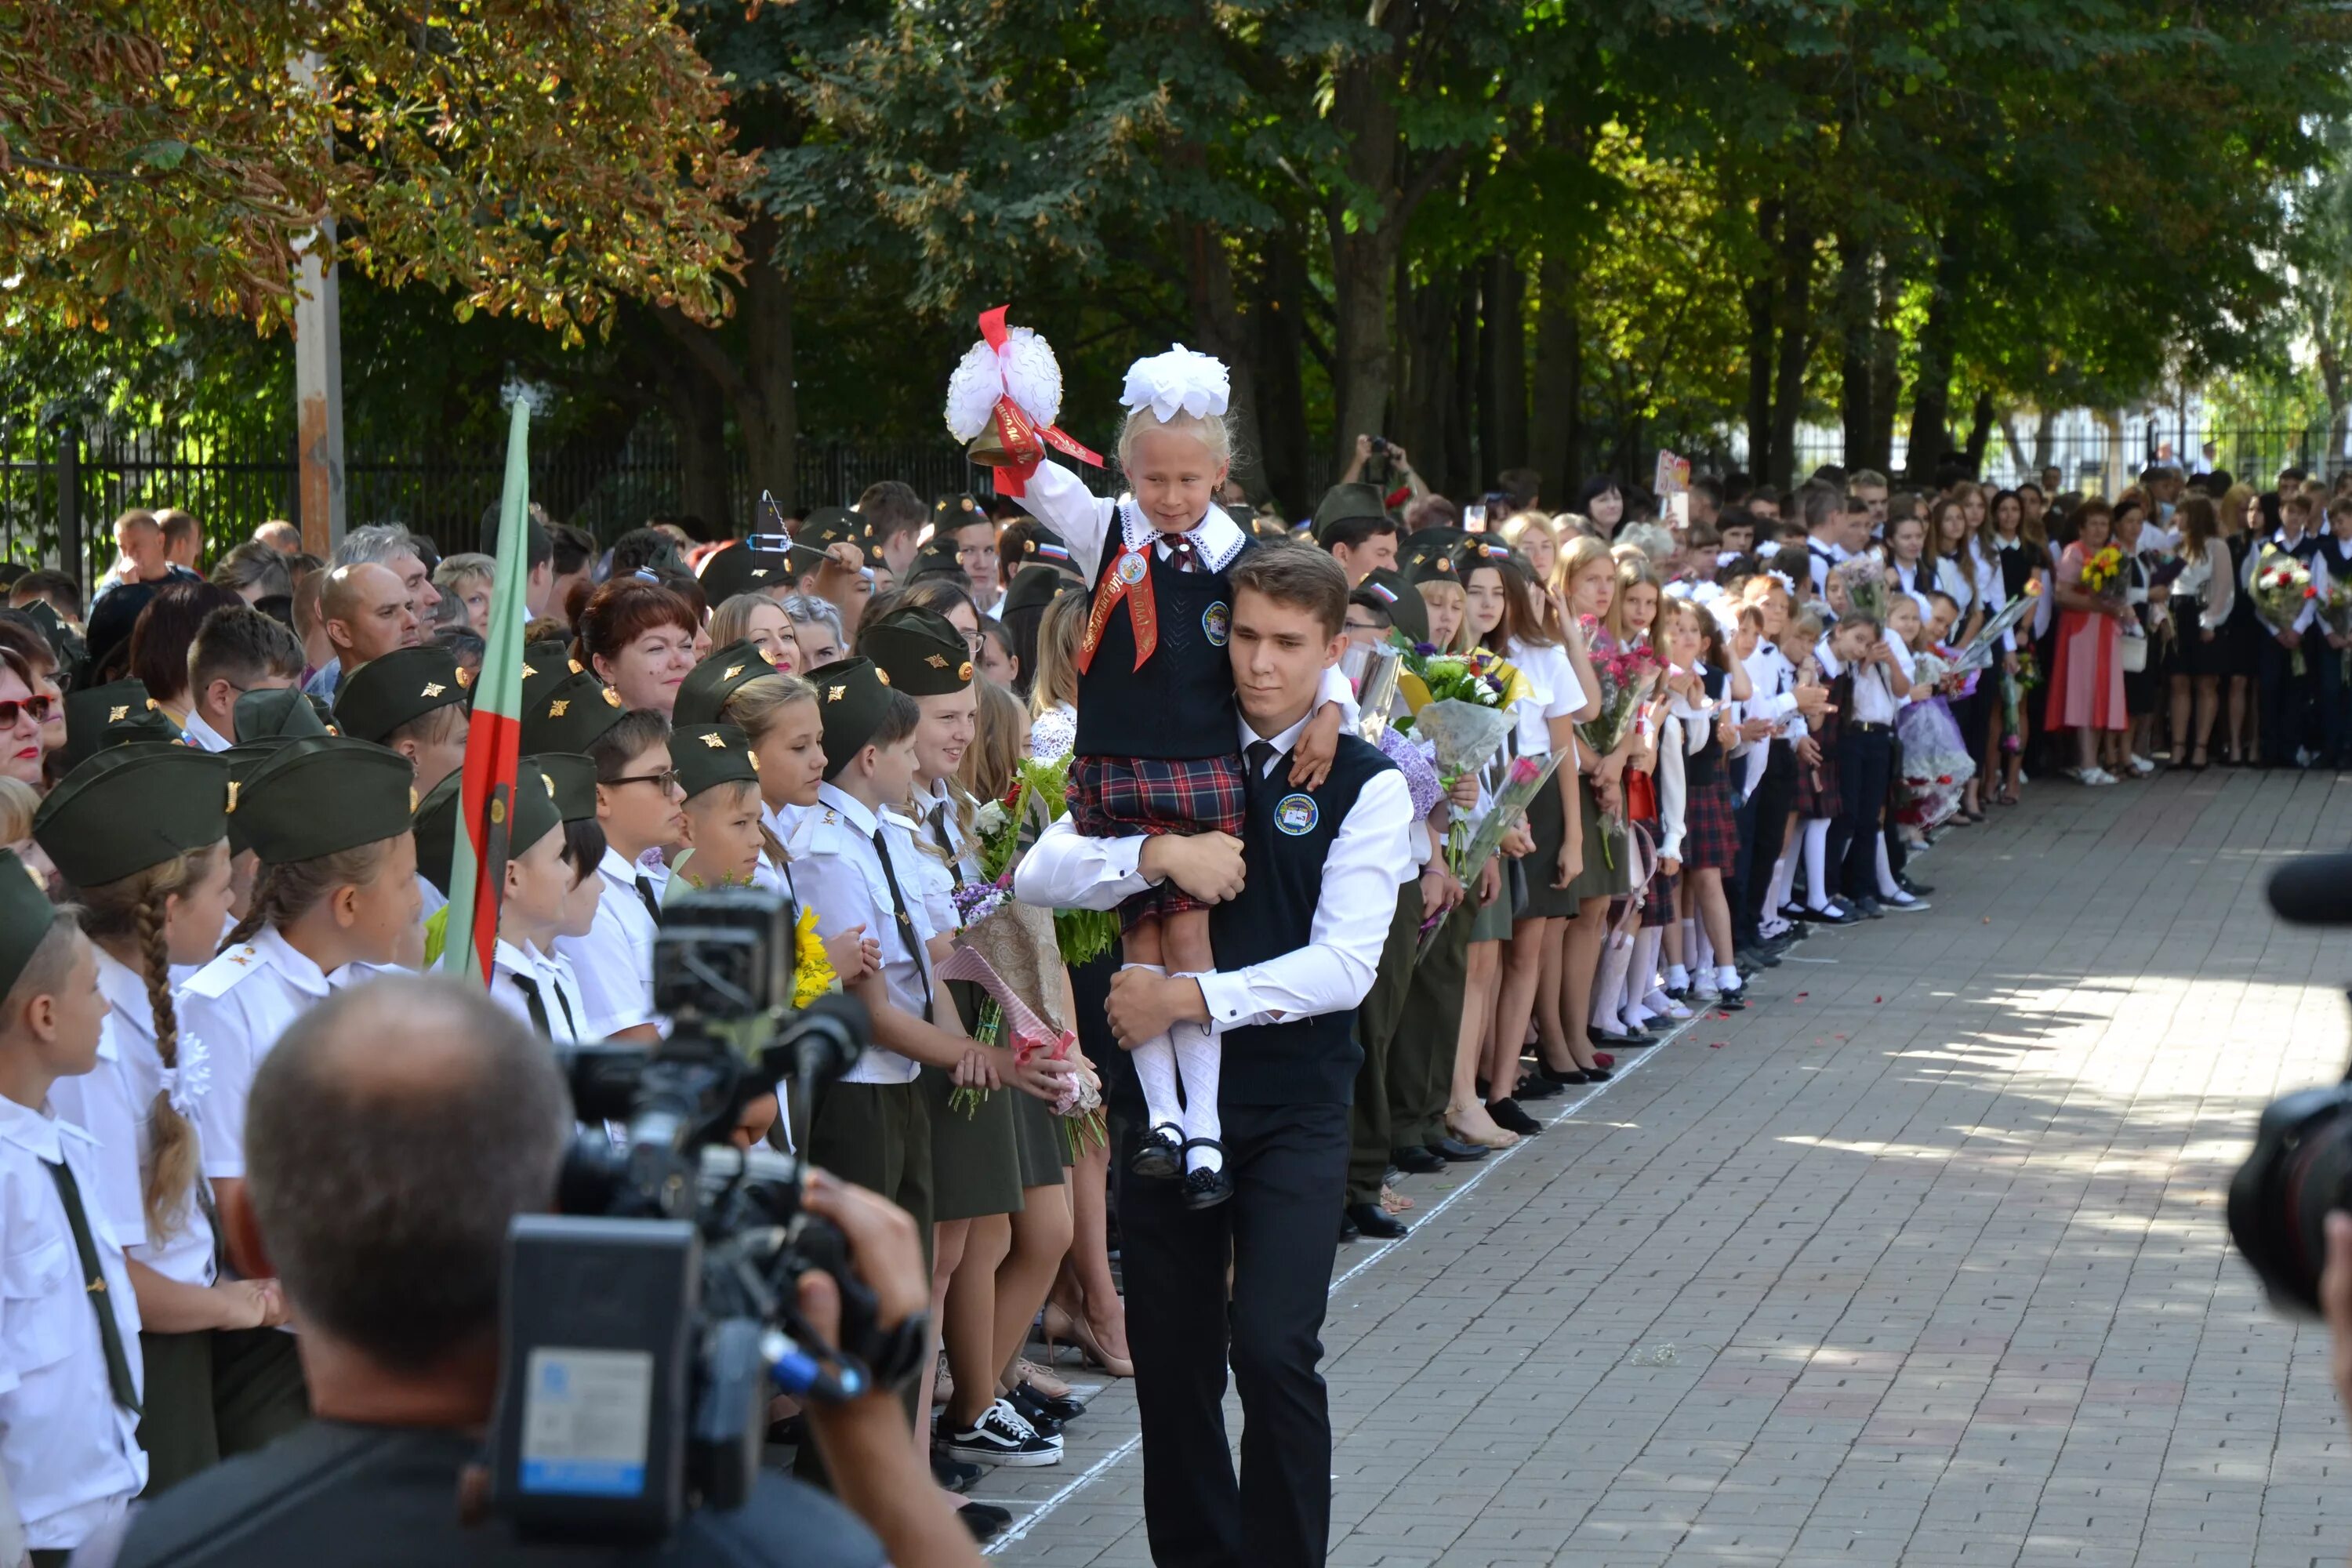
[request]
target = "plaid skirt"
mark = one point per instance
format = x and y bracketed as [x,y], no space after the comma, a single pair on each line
[1818,795]
[1658,902]
[1118,797]
[1710,837]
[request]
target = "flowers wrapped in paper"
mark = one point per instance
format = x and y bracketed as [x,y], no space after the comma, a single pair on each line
[1864,580]
[2283,591]
[1002,400]
[1525,777]
[1010,953]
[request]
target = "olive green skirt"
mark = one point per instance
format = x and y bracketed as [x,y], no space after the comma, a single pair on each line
[1037,1141]
[975,1162]
[1547,822]
[214,1394]
[878,1135]
[1599,879]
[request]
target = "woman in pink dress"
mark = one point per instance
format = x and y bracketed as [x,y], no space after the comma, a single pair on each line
[2086,677]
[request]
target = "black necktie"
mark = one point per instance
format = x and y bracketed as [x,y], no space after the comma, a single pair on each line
[939,833]
[906,932]
[646,892]
[1257,757]
[110,1332]
[530,989]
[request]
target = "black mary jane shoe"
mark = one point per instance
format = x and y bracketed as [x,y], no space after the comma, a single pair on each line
[1160,1153]
[1054,1407]
[1508,1116]
[1205,1188]
[1569,1079]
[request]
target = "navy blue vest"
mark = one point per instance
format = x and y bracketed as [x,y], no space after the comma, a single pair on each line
[1286,837]
[1180,705]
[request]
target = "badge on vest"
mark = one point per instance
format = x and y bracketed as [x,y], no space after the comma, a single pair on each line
[1131,569]
[1296,814]
[1215,622]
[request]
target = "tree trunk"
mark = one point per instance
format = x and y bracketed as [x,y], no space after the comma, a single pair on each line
[1885,371]
[1363,247]
[1795,321]
[2045,430]
[1758,301]
[1218,328]
[1980,432]
[1931,405]
[1278,340]
[1559,428]
[1425,379]
[1856,312]
[1462,456]
[1502,368]
[767,409]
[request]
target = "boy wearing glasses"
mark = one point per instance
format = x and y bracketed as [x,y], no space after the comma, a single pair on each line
[639,807]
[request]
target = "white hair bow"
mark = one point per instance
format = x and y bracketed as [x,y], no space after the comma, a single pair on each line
[1196,383]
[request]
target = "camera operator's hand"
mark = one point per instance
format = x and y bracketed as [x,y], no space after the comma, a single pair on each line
[883,1248]
[2336,1302]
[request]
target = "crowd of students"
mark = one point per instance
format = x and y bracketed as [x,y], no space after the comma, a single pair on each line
[243,789]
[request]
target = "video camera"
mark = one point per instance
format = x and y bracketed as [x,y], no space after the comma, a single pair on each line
[2302,1165]
[646,1326]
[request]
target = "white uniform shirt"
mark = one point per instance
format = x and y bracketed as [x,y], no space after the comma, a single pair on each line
[508,961]
[1554,693]
[840,872]
[567,1011]
[939,874]
[1874,696]
[238,1004]
[614,962]
[116,1105]
[71,1455]
[1353,908]
[203,736]
[432,901]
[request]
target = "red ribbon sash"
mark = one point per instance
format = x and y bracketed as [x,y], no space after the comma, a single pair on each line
[1023,440]
[1129,578]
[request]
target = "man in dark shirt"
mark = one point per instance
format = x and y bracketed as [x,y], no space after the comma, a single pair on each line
[391,1134]
[1296,946]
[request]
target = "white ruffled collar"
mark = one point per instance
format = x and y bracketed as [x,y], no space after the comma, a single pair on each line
[1217,537]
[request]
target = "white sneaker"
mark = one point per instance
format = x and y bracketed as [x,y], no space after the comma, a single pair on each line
[1665,1007]
[2096,776]
[2141,765]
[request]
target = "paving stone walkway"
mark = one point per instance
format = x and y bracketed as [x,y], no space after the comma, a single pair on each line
[1919,1260]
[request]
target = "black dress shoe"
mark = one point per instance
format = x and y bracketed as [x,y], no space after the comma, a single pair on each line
[1204,1188]
[1511,1119]
[1916,890]
[952,1473]
[1056,1407]
[1035,1410]
[1370,1219]
[1764,957]
[1454,1152]
[1867,908]
[1414,1159]
[1615,1039]
[1535,1086]
[1572,1076]
[1834,916]
[1160,1154]
[983,1520]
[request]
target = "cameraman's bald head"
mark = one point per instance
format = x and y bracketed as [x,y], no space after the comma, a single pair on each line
[391,1133]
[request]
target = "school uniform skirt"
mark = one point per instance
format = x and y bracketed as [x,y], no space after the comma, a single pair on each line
[975,1161]
[1601,879]
[2191,654]
[1819,799]
[1547,821]
[1711,835]
[1117,798]
[1037,1145]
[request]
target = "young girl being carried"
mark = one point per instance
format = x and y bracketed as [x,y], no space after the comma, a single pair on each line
[1158,733]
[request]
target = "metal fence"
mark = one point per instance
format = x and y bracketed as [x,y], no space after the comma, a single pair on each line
[2093,459]
[60,488]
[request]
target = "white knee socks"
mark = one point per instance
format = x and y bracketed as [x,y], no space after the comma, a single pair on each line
[1155,1071]
[1784,879]
[1200,1058]
[1608,984]
[1817,875]
[1886,886]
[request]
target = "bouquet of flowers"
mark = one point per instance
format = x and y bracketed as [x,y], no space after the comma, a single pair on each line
[1520,782]
[813,974]
[2335,614]
[1461,707]
[1863,577]
[1038,795]
[1626,675]
[2102,573]
[2282,588]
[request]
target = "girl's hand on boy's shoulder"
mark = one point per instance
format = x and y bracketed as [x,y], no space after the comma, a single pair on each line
[1319,744]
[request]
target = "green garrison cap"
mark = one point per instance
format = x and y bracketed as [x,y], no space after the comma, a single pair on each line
[576,782]
[706,755]
[739,569]
[917,652]
[545,665]
[936,558]
[131,807]
[148,726]
[709,685]
[951,512]
[322,794]
[287,714]
[90,710]
[1391,595]
[1434,567]
[570,715]
[833,525]
[436,821]
[402,686]
[852,696]
[243,758]
[1480,551]
[1342,503]
[1035,587]
[25,918]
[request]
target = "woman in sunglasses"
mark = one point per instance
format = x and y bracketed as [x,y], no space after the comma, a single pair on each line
[26,705]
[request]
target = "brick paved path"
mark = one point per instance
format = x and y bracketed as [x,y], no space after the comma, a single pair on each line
[1925,1264]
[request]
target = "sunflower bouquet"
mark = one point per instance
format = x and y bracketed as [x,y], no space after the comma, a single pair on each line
[2102,573]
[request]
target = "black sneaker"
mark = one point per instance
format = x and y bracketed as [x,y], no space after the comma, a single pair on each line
[1003,1437]
[1031,1410]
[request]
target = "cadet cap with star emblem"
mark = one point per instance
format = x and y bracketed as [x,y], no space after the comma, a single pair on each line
[1388,593]
[1435,567]
[570,715]
[545,666]
[27,918]
[243,758]
[574,776]
[938,558]
[1343,503]
[921,654]
[536,815]
[949,512]
[402,686]
[324,794]
[131,807]
[1035,587]
[833,525]
[739,569]
[709,685]
[284,714]
[90,710]
[707,755]
[852,697]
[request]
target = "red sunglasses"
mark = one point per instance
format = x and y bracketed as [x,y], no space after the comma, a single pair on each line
[35,708]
